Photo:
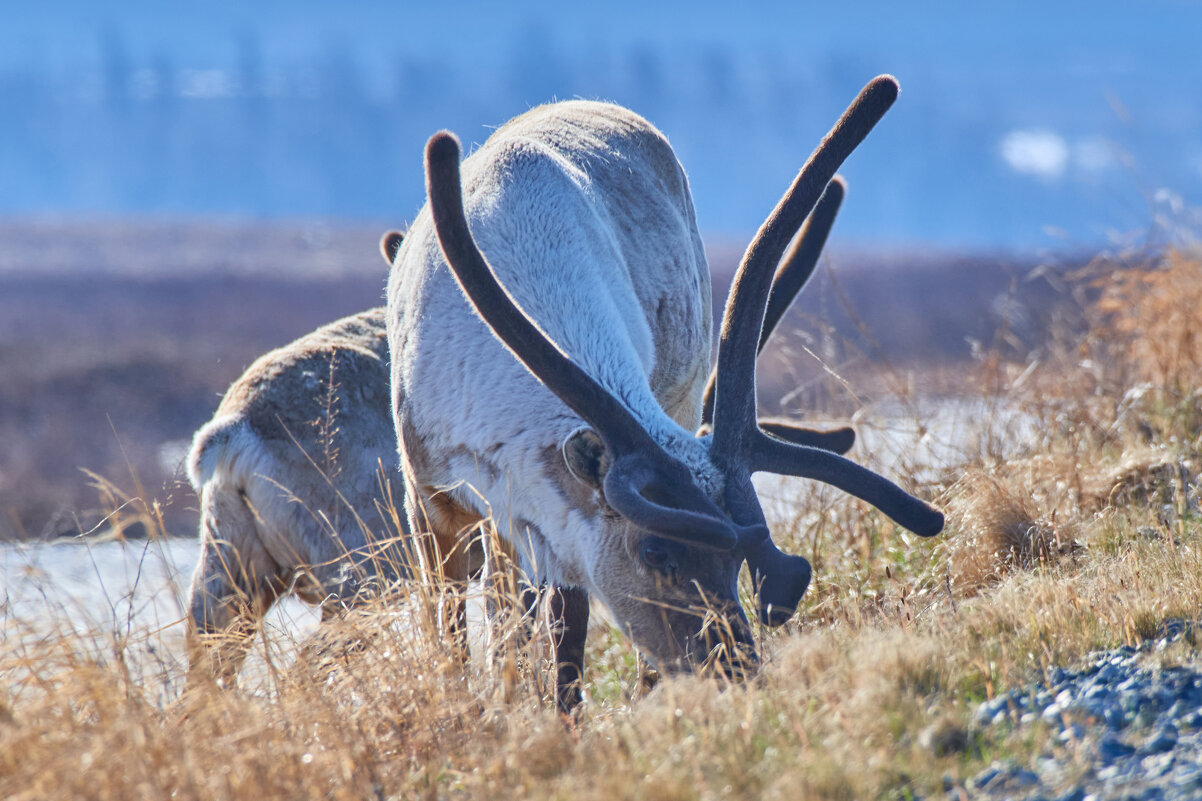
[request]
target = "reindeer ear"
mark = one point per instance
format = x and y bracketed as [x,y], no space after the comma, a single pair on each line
[390,243]
[585,456]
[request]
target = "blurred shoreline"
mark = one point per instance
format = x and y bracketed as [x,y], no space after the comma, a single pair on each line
[118,338]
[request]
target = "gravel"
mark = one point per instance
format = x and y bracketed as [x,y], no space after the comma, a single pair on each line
[1123,727]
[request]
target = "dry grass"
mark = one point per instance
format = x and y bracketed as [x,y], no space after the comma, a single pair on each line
[1087,536]
[998,528]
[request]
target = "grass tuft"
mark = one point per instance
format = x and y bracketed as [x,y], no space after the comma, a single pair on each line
[995,528]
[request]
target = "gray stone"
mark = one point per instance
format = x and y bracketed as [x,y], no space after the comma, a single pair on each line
[1163,739]
[1156,765]
[1189,775]
[1115,717]
[1075,794]
[1022,779]
[985,776]
[1088,711]
[1130,683]
[1146,714]
[989,711]
[1052,715]
[1071,733]
[1177,710]
[1158,744]
[1175,628]
[1051,771]
[1110,749]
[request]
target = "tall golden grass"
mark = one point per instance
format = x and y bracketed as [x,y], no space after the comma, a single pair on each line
[1085,536]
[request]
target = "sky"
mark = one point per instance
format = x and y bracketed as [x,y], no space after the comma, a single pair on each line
[1021,126]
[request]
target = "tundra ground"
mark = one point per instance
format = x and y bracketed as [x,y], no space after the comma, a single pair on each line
[1069,472]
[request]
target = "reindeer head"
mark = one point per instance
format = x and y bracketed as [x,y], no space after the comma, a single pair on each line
[676,523]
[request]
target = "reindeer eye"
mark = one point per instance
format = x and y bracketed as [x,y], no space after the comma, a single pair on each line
[660,555]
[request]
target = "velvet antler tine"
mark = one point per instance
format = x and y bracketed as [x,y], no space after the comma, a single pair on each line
[798,265]
[791,276]
[774,456]
[835,440]
[734,414]
[576,388]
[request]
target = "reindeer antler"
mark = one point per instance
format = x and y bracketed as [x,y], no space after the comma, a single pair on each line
[737,437]
[739,446]
[639,463]
[734,403]
[791,276]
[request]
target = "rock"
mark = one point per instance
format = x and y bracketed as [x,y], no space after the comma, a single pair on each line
[1004,777]
[1071,733]
[1156,765]
[1129,684]
[1075,794]
[1177,710]
[1110,748]
[1115,717]
[991,711]
[1021,779]
[1187,776]
[985,777]
[1095,713]
[1175,628]
[1146,713]
[1164,739]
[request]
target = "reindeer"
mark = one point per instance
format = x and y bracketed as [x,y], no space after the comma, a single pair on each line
[579,441]
[289,477]
[269,505]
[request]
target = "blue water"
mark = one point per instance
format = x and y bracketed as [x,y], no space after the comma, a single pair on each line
[1022,126]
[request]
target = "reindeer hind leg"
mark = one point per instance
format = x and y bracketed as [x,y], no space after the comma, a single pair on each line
[233,587]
